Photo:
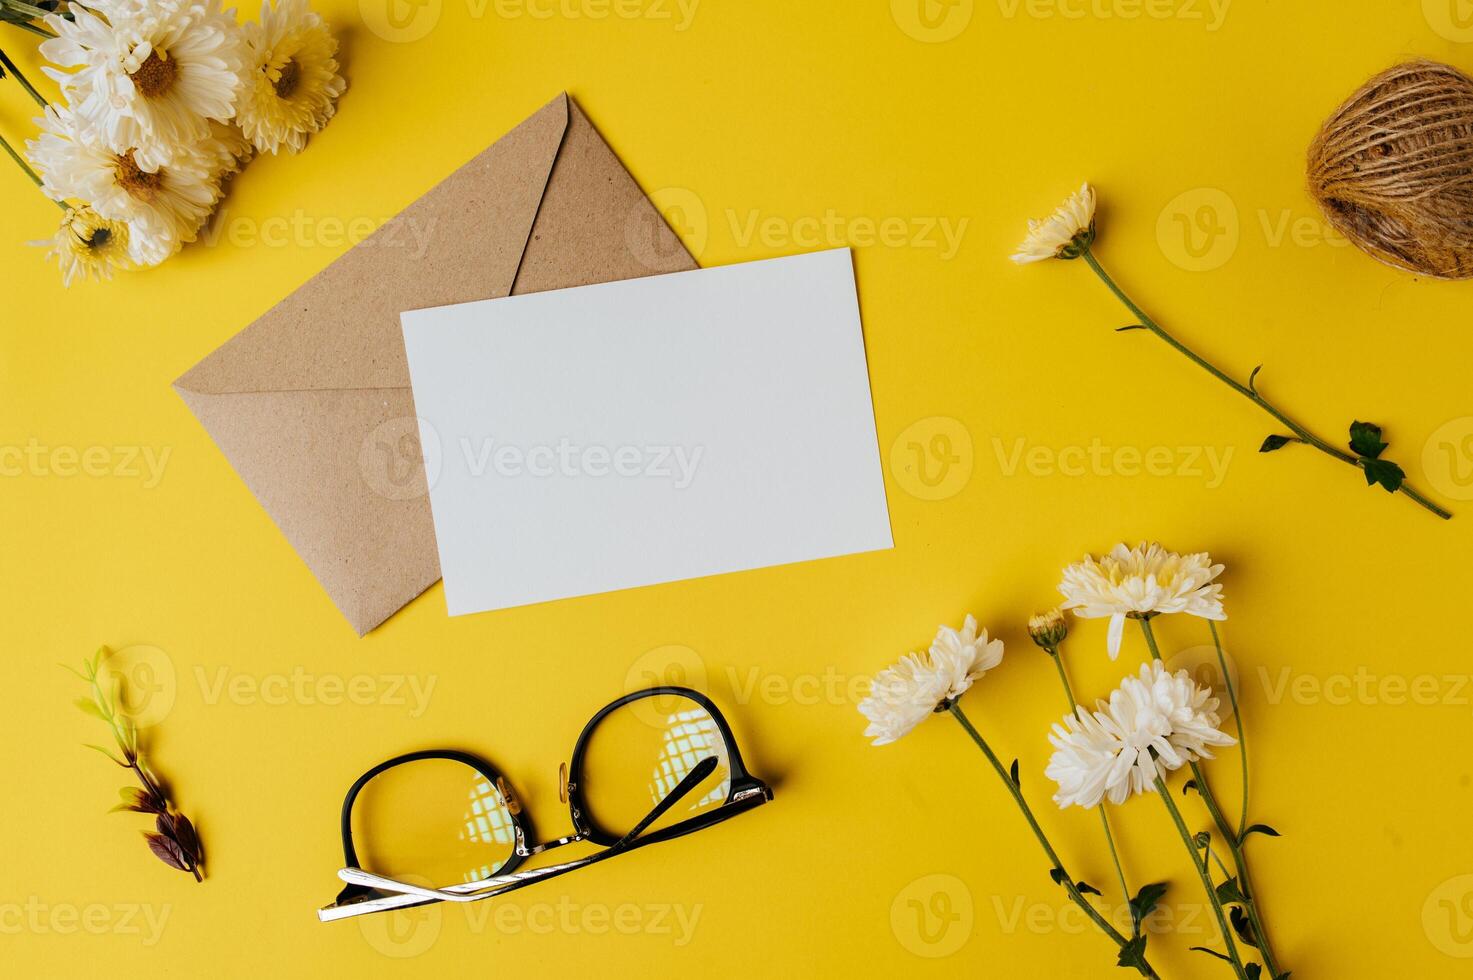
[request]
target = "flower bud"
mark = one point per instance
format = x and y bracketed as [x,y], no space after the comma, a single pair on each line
[1048,629]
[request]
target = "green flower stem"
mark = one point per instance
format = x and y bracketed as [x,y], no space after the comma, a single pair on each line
[1057,657]
[1233,840]
[1232,693]
[20,161]
[35,29]
[24,82]
[1246,390]
[1048,849]
[1163,791]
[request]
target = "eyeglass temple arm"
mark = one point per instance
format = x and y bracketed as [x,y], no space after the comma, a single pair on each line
[486,887]
[692,779]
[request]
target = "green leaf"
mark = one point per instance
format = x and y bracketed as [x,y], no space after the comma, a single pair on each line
[1133,326]
[1190,785]
[1253,970]
[1145,902]
[1276,442]
[1212,952]
[1014,773]
[1060,878]
[90,707]
[1365,440]
[1242,926]
[134,800]
[1133,954]
[1228,893]
[1384,472]
[1254,377]
[1259,828]
[1203,838]
[105,752]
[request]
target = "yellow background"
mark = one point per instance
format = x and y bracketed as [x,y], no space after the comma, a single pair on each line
[787,111]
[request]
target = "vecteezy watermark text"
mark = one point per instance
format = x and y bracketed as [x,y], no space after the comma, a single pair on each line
[299,687]
[676,464]
[40,918]
[1207,463]
[37,459]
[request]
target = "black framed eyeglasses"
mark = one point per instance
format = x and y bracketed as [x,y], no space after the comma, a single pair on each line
[445,826]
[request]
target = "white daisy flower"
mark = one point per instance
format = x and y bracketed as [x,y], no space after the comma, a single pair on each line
[226,148]
[1153,724]
[163,208]
[148,75]
[919,685]
[1141,582]
[88,245]
[1064,234]
[293,83]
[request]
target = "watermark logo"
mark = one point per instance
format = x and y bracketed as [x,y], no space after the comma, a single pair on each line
[932,917]
[672,665]
[1447,917]
[404,933]
[1447,459]
[647,230]
[933,21]
[400,21]
[1452,20]
[1199,229]
[932,459]
[146,682]
[401,458]
[1203,664]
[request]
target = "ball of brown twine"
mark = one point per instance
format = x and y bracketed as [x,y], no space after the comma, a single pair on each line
[1393,169]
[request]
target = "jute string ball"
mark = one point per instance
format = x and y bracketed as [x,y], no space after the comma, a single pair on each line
[1393,169]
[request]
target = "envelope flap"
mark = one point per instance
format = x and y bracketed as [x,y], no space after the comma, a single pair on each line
[462,241]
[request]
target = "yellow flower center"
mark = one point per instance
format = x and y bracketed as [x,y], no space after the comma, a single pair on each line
[155,76]
[139,183]
[286,82]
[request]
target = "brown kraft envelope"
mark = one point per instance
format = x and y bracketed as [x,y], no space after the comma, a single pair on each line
[311,403]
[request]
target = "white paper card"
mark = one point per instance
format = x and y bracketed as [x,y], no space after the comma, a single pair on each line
[620,435]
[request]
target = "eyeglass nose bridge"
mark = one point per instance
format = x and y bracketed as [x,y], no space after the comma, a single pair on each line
[580,832]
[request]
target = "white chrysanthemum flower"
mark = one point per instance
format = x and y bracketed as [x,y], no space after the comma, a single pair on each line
[902,696]
[226,149]
[163,208]
[1139,583]
[148,75]
[87,245]
[1153,724]
[1063,234]
[292,76]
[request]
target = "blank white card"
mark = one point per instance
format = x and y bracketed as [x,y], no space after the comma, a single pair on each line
[627,434]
